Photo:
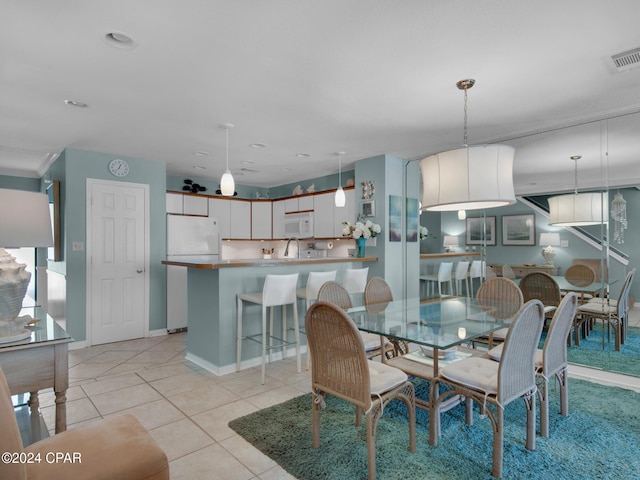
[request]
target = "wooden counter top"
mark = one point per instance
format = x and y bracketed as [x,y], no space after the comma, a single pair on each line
[449,255]
[213,262]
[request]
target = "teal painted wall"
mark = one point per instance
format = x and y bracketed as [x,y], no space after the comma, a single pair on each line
[20,183]
[75,167]
[330,182]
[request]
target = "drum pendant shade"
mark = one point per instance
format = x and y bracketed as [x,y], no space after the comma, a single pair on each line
[469,178]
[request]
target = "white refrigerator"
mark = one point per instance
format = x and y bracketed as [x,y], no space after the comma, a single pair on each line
[187,236]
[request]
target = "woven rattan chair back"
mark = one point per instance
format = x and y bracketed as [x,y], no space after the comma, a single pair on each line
[580,275]
[500,296]
[338,358]
[540,286]
[377,295]
[335,293]
[516,374]
[554,353]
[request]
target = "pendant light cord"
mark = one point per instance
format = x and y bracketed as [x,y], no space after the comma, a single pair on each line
[227,129]
[339,169]
[464,141]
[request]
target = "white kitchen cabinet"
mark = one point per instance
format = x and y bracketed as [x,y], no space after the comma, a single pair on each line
[277,211]
[174,203]
[306,203]
[323,215]
[291,205]
[261,220]
[240,219]
[343,214]
[221,210]
[328,218]
[194,205]
[176,298]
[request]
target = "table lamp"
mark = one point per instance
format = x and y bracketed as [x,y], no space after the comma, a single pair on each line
[26,222]
[550,239]
[450,241]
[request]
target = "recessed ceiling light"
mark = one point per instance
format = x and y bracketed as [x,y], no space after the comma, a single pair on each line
[257,145]
[75,103]
[120,40]
[200,153]
[247,162]
[303,155]
[199,167]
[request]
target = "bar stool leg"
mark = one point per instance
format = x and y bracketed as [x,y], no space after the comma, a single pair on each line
[264,339]
[284,331]
[296,330]
[238,334]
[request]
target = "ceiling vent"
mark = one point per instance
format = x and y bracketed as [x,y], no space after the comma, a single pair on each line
[626,61]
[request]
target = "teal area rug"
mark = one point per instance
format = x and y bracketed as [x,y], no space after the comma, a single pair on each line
[599,439]
[590,353]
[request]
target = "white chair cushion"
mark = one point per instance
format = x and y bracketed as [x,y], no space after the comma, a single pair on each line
[371,341]
[549,309]
[496,353]
[599,300]
[476,372]
[595,308]
[384,378]
[500,334]
[251,297]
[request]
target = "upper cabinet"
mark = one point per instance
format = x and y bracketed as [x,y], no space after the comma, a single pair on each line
[187,204]
[328,218]
[261,220]
[240,219]
[278,212]
[221,210]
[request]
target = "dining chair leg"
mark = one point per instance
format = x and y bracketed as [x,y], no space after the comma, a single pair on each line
[563,379]
[498,444]
[544,408]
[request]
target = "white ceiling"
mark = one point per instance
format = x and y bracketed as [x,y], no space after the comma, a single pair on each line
[361,76]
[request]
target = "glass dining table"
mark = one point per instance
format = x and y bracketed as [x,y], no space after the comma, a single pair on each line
[439,329]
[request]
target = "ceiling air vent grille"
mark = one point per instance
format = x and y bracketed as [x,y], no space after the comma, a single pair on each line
[627,60]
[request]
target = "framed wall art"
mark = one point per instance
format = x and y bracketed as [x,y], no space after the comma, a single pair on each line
[368,208]
[519,229]
[481,228]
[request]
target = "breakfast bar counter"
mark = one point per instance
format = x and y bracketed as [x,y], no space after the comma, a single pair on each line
[212,286]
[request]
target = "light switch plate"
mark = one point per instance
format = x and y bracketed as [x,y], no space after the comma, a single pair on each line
[77,246]
[564,243]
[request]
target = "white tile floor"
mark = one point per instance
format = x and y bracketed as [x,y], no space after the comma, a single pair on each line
[187,409]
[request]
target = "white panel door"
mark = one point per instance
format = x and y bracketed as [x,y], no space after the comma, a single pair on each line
[117,260]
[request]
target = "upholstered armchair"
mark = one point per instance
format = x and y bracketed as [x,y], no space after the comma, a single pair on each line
[119,447]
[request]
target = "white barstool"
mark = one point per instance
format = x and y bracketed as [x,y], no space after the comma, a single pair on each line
[476,271]
[443,276]
[461,274]
[315,280]
[355,281]
[277,290]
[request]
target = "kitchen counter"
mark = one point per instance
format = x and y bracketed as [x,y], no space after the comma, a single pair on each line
[214,262]
[212,287]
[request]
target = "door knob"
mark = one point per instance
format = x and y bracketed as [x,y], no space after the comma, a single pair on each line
[140,271]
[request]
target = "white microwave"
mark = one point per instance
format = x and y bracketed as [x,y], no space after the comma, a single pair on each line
[298,225]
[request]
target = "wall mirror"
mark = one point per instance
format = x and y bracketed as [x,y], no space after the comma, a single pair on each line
[53,191]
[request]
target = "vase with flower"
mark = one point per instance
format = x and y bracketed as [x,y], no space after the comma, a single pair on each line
[360,232]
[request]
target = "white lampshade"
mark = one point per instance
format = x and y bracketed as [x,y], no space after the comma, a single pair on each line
[462,214]
[450,241]
[227,185]
[550,238]
[470,178]
[577,209]
[340,198]
[24,219]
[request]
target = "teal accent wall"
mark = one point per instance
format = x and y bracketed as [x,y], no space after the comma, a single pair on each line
[20,183]
[320,184]
[175,183]
[74,167]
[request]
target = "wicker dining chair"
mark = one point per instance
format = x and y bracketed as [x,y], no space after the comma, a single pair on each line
[614,316]
[335,293]
[339,367]
[377,295]
[614,303]
[502,298]
[551,360]
[581,275]
[541,286]
[496,384]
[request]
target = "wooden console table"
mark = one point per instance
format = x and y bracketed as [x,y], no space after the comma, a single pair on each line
[522,270]
[39,362]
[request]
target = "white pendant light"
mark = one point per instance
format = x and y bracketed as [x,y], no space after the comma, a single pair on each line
[577,209]
[462,214]
[340,198]
[227,185]
[468,178]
